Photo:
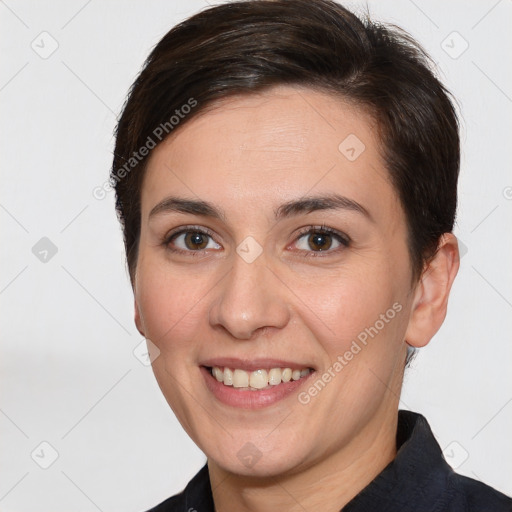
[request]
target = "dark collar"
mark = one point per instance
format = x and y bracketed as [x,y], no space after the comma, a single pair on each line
[418,479]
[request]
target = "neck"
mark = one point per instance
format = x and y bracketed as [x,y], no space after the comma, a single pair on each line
[328,485]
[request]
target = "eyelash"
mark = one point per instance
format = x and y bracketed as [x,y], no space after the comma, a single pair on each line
[183,230]
[343,239]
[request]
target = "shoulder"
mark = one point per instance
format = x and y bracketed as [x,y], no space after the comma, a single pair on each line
[197,496]
[474,496]
[172,504]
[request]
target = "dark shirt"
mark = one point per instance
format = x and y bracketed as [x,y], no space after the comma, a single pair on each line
[417,480]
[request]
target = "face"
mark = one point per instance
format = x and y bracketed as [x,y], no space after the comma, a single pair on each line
[272,240]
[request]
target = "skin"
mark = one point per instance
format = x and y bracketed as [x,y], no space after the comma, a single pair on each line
[247,157]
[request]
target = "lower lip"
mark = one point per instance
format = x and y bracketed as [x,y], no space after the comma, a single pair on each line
[247,398]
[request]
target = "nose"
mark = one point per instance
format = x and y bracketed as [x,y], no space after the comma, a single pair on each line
[249,299]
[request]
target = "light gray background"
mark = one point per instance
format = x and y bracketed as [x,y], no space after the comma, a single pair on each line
[69,376]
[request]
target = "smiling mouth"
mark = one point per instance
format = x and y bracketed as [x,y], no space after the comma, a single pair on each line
[256,380]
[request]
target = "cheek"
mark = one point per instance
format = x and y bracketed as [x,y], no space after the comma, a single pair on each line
[344,305]
[171,307]
[169,304]
[359,321]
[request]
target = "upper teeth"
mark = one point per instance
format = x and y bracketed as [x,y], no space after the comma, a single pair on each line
[257,379]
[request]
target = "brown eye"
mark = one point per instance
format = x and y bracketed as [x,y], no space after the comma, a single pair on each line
[196,241]
[191,240]
[319,241]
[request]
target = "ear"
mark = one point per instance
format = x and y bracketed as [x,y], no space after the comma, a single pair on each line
[138,320]
[431,295]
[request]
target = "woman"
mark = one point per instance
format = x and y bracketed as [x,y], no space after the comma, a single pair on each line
[286,179]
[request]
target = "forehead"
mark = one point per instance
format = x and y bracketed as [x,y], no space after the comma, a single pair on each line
[269,148]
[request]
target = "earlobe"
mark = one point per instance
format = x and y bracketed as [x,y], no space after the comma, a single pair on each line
[138,319]
[431,295]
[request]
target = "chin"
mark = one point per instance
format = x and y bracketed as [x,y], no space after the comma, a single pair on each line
[262,460]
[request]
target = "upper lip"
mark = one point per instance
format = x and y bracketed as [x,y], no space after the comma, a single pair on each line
[251,365]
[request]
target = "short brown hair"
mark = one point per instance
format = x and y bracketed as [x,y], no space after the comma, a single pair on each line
[248,46]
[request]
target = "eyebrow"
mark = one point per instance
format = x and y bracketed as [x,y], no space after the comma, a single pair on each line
[300,206]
